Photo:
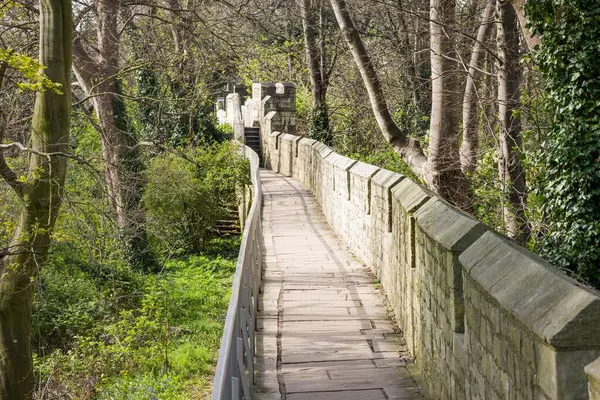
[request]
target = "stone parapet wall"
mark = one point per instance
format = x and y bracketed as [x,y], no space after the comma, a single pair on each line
[483,317]
[280,97]
[593,372]
[233,115]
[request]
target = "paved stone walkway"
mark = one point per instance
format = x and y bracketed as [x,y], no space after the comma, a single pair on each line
[324,332]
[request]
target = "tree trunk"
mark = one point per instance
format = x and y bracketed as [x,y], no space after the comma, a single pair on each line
[447,178]
[532,40]
[175,27]
[313,59]
[408,148]
[510,168]
[316,60]
[41,197]
[441,170]
[122,166]
[421,57]
[470,136]
[123,174]
[323,52]
[409,51]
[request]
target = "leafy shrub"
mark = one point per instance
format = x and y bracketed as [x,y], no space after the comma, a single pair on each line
[167,119]
[319,128]
[411,121]
[73,296]
[162,346]
[188,193]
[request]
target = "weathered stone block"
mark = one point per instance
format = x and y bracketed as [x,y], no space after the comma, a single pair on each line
[556,308]
[449,227]
[561,374]
[593,373]
[286,151]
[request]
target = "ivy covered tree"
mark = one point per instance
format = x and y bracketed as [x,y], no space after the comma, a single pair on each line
[314,29]
[568,58]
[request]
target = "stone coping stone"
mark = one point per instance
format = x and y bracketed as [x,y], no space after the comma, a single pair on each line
[593,371]
[322,149]
[556,308]
[281,87]
[411,195]
[449,227]
[304,141]
[270,115]
[265,100]
[341,162]
[261,85]
[387,179]
[289,137]
[364,170]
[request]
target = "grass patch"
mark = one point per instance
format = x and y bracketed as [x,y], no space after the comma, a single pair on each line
[161,344]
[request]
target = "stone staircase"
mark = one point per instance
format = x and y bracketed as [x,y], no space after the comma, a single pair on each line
[252,140]
[229,226]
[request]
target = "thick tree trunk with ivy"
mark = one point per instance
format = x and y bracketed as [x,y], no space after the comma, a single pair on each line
[122,166]
[511,172]
[447,177]
[41,196]
[316,60]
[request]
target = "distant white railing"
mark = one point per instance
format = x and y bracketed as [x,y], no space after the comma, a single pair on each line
[234,378]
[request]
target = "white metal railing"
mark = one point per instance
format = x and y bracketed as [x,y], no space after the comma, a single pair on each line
[234,378]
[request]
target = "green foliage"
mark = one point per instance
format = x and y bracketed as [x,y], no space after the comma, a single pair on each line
[149,107]
[182,215]
[102,330]
[354,130]
[486,189]
[167,117]
[539,118]
[303,109]
[9,209]
[161,342]
[31,70]
[7,5]
[318,125]
[411,121]
[272,61]
[568,56]
[73,295]
[84,226]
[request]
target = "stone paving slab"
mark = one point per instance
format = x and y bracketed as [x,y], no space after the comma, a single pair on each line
[323,330]
[376,394]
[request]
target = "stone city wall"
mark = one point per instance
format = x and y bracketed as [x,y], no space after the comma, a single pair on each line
[484,317]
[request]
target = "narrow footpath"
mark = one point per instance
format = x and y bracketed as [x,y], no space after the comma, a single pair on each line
[323,330]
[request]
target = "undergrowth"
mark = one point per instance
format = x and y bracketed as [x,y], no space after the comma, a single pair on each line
[110,333]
